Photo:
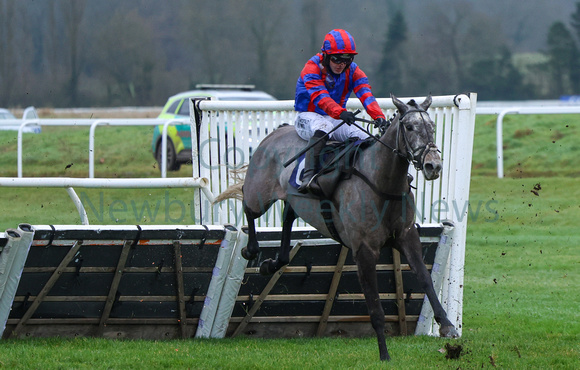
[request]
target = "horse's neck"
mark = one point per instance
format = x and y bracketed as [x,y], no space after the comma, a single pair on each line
[386,169]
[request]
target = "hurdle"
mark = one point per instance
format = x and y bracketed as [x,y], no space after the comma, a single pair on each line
[218,156]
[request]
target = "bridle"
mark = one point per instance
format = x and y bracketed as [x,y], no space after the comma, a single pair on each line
[414,155]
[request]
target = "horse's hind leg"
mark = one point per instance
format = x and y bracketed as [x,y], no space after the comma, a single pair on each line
[366,261]
[411,247]
[270,266]
[251,251]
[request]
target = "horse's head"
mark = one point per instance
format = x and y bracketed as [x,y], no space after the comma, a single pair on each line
[417,134]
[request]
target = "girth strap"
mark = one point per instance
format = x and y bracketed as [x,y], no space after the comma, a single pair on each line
[326,212]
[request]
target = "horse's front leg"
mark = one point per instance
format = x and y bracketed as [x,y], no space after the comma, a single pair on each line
[270,266]
[410,246]
[366,261]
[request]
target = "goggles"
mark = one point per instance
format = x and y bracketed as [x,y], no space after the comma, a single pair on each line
[341,58]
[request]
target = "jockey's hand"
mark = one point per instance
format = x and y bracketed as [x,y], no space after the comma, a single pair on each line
[347,117]
[381,122]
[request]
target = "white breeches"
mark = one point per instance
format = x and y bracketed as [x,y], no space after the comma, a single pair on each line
[307,123]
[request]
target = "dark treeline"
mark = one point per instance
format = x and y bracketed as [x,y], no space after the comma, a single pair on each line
[68,53]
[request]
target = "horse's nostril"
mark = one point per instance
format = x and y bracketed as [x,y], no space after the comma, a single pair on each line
[433,167]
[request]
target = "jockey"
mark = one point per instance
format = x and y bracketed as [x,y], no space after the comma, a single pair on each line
[322,90]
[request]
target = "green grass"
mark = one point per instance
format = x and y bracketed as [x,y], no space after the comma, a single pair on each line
[534,145]
[522,267]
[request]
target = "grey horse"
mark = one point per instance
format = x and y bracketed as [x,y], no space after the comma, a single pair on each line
[370,211]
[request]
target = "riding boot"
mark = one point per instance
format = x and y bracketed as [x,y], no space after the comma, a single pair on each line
[312,161]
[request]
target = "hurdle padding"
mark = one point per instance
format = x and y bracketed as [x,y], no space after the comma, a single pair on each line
[146,282]
[14,246]
[318,292]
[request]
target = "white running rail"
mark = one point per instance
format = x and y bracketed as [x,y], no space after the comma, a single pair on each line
[70,183]
[93,124]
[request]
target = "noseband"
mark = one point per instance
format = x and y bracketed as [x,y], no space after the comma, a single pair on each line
[416,156]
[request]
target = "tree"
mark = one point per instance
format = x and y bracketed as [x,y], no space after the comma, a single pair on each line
[390,74]
[454,36]
[269,41]
[313,12]
[8,50]
[211,42]
[55,52]
[126,54]
[496,78]
[563,63]
[575,20]
[73,11]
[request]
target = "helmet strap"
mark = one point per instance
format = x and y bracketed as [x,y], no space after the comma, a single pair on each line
[326,61]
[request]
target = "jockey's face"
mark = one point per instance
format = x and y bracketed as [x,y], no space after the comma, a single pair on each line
[337,68]
[338,62]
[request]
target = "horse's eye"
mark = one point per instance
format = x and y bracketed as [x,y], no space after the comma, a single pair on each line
[409,127]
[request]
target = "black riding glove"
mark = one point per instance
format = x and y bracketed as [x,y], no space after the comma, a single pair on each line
[347,117]
[381,122]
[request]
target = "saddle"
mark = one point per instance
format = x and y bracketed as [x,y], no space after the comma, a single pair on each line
[338,163]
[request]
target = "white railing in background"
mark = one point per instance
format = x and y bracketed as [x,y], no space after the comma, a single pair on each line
[70,183]
[133,122]
[503,111]
[93,124]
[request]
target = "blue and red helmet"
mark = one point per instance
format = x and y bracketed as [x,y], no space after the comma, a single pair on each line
[338,42]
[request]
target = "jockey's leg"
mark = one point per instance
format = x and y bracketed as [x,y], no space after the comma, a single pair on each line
[312,126]
[346,132]
[312,161]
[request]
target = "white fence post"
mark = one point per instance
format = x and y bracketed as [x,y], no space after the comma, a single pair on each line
[92,146]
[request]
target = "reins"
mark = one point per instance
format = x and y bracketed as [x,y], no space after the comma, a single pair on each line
[411,154]
[415,156]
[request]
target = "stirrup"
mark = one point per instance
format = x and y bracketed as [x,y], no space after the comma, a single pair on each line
[304,186]
[313,187]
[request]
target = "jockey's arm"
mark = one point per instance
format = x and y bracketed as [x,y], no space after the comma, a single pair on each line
[362,90]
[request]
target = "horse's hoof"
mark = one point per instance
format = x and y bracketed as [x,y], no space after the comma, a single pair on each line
[448,332]
[267,267]
[248,255]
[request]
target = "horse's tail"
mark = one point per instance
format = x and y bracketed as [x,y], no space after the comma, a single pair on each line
[234,191]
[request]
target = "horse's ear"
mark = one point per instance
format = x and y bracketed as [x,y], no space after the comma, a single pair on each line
[402,107]
[427,103]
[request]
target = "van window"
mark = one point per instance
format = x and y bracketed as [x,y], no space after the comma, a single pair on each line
[173,107]
[184,109]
